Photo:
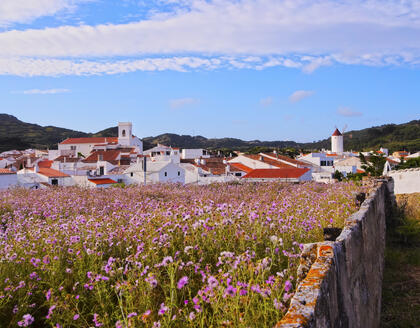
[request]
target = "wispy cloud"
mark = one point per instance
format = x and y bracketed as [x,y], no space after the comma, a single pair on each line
[23,11]
[240,34]
[182,102]
[300,95]
[266,102]
[348,112]
[42,92]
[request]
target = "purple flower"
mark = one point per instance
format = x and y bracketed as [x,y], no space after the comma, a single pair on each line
[48,294]
[182,282]
[287,285]
[162,309]
[230,291]
[76,316]
[50,312]
[132,314]
[96,321]
[27,320]
[212,282]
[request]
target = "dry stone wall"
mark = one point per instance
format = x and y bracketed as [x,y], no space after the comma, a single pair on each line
[341,281]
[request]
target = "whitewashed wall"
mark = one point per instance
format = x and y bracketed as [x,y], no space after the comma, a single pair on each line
[406,181]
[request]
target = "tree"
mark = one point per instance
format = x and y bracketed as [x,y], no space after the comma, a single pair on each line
[338,175]
[410,163]
[373,165]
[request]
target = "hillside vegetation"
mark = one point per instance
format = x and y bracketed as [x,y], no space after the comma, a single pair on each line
[15,134]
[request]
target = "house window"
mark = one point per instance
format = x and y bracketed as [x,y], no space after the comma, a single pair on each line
[72,147]
[131,174]
[54,182]
[166,174]
[179,173]
[238,174]
[323,163]
[120,180]
[101,170]
[168,153]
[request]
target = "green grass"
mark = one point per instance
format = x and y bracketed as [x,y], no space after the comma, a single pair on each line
[401,285]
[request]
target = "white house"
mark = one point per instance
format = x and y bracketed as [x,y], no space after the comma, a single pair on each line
[162,153]
[194,153]
[7,179]
[44,175]
[84,146]
[155,172]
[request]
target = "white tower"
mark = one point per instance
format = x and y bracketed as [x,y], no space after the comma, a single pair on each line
[337,142]
[125,135]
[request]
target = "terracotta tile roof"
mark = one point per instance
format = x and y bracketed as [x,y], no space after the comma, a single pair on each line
[67,159]
[332,155]
[94,140]
[276,173]
[6,171]
[45,164]
[286,159]
[240,167]
[102,181]
[107,155]
[51,173]
[391,161]
[214,165]
[360,171]
[336,133]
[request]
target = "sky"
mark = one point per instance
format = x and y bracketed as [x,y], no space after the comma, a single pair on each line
[249,69]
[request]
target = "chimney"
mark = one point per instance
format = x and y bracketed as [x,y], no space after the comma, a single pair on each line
[36,168]
[203,162]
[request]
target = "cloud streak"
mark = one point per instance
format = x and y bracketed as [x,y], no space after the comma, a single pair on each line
[300,95]
[182,102]
[23,11]
[240,34]
[348,112]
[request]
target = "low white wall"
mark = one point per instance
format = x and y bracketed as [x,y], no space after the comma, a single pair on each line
[406,181]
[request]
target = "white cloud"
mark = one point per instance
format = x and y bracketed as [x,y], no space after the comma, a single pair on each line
[21,11]
[266,101]
[348,112]
[300,95]
[182,102]
[43,92]
[241,34]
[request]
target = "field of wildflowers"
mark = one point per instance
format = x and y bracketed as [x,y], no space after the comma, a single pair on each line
[161,255]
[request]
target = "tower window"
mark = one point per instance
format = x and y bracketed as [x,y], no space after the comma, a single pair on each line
[166,174]
[123,133]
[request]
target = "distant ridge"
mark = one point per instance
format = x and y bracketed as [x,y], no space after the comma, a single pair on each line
[15,134]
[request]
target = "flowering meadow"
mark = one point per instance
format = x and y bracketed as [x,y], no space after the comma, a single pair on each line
[222,255]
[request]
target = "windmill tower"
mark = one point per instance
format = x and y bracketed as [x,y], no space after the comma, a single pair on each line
[337,144]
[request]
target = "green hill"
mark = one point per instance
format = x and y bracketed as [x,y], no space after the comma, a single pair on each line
[15,134]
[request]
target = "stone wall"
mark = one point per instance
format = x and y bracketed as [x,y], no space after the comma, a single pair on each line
[341,281]
[406,181]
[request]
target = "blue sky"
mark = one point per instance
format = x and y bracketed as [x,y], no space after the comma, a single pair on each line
[251,69]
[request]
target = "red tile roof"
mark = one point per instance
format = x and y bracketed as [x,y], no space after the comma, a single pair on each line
[51,173]
[94,140]
[6,171]
[286,159]
[360,171]
[102,181]
[336,133]
[45,164]
[276,173]
[240,167]
[107,155]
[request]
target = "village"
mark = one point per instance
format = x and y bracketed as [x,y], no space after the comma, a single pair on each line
[100,162]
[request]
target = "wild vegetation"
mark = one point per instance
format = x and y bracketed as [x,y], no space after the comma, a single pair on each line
[161,255]
[401,285]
